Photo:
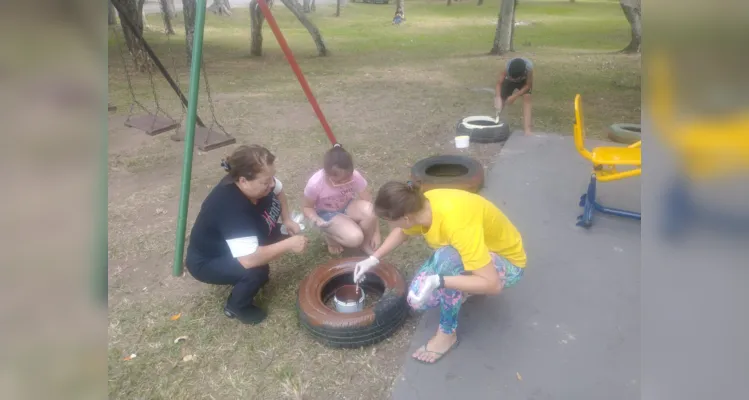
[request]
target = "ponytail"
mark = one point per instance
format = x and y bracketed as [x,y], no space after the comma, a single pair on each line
[397,199]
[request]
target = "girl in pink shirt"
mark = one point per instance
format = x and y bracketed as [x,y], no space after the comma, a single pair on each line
[336,199]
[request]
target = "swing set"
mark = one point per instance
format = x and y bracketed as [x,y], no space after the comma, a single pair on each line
[157,122]
[192,106]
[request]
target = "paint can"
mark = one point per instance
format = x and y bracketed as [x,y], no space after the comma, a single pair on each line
[462,142]
[347,300]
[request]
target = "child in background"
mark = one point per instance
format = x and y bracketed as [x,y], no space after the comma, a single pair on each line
[515,81]
[336,200]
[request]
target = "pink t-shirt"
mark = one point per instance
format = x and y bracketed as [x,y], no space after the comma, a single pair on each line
[333,198]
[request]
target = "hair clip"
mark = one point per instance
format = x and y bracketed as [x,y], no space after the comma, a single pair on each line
[225,165]
[410,184]
[337,145]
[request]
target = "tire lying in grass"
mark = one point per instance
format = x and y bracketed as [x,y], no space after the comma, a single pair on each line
[625,133]
[351,330]
[483,129]
[448,171]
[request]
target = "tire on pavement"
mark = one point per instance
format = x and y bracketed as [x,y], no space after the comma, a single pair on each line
[449,171]
[358,329]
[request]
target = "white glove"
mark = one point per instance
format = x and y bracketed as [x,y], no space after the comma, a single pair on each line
[429,284]
[363,266]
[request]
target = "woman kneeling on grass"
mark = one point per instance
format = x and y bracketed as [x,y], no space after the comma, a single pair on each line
[237,231]
[478,251]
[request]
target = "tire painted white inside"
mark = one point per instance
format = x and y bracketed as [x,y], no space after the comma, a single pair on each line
[468,122]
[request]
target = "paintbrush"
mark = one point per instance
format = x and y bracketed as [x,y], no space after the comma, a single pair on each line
[499,113]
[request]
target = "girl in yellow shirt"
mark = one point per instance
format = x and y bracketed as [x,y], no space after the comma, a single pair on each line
[477,251]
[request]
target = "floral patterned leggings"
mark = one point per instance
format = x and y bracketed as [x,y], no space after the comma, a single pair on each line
[446,261]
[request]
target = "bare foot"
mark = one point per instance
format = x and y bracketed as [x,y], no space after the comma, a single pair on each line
[528,133]
[333,247]
[437,346]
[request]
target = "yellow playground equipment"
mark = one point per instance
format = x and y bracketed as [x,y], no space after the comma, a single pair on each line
[706,147]
[605,161]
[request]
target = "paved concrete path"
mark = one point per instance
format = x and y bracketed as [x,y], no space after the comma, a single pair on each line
[571,328]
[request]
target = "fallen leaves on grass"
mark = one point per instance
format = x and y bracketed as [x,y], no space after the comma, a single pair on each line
[175,317]
[188,357]
[130,357]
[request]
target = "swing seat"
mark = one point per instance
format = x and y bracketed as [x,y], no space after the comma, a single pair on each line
[151,124]
[206,139]
[605,161]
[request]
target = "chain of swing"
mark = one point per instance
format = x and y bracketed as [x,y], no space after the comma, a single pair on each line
[134,99]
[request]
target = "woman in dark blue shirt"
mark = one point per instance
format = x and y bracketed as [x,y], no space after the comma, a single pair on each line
[237,231]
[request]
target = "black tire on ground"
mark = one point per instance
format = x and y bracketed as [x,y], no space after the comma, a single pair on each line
[483,129]
[625,133]
[369,326]
[449,171]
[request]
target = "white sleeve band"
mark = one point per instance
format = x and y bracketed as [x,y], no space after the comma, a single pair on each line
[279,186]
[241,247]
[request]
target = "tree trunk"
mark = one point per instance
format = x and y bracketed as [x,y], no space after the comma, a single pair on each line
[313,6]
[512,34]
[170,9]
[134,11]
[400,9]
[306,5]
[168,29]
[256,29]
[633,12]
[480,3]
[220,7]
[298,12]
[503,34]
[188,10]
[111,14]
[449,2]
[338,8]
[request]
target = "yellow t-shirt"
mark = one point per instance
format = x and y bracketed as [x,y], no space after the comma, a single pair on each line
[473,226]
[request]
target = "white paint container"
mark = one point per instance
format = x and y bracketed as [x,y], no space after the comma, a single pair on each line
[346,299]
[462,142]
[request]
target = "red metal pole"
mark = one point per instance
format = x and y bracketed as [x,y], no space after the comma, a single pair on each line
[295,67]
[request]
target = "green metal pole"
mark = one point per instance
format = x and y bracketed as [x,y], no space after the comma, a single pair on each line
[192,112]
[101,246]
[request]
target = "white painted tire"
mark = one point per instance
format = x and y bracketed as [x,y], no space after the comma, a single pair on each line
[482,129]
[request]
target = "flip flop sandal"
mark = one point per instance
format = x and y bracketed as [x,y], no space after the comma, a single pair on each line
[440,355]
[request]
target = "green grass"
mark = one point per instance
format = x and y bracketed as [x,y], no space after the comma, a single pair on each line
[392,95]
[572,38]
